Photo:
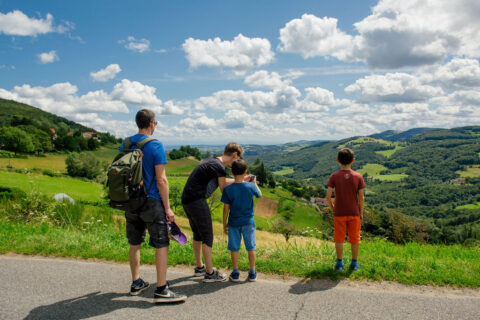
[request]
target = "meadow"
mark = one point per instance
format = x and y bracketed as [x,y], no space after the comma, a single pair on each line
[35,224]
[374,171]
[470,172]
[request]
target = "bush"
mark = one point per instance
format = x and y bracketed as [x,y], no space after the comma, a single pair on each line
[83,165]
[50,173]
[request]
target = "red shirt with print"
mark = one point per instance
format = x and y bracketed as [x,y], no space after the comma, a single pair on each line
[346,184]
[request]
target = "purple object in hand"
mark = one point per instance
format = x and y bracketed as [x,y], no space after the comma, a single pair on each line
[176,234]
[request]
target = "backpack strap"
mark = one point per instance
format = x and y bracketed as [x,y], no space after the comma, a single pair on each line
[127,143]
[140,144]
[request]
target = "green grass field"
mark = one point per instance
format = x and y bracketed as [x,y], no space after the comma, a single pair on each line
[373,171]
[77,189]
[471,172]
[284,171]
[470,206]
[181,166]
[362,140]
[55,161]
[388,153]
[391,177]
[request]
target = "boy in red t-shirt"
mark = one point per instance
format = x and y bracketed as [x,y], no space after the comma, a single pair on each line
[348,207]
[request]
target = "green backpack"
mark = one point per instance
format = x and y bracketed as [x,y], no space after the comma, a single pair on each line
[125,182]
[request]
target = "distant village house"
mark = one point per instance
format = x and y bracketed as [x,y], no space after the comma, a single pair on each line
[91,135]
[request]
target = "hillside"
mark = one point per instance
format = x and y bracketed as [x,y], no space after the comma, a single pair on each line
[14,114]
[393,135]
[434,176]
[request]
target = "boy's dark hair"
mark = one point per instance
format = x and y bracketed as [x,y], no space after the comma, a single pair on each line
[144,117]
[233,147]
[239,167]
[345,156]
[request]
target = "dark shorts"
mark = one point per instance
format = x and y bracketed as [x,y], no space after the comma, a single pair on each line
[152,218]
[200,219]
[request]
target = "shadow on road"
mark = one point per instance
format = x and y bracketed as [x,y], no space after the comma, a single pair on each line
[318,280]
[97,303]
[89,305]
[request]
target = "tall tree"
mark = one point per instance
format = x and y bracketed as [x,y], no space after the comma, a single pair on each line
[16,140]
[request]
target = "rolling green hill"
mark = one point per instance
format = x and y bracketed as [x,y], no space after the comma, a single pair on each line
[14,114]
[417,177]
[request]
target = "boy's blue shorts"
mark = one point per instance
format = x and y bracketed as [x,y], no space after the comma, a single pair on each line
[235,237]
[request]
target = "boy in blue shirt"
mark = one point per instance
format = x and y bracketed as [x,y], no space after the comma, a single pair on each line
[238,207]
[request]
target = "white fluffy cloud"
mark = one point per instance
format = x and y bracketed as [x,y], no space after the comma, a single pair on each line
[266,80]
[275,101]
[136,93]
[317,100]
[240,54]
[392,87]
[457,73]
[235,119]
[137,45]
[200,123]
[311,36]
[62,99]
[47,57]
[106,74]
[171,108]
[16,23]
[395,35]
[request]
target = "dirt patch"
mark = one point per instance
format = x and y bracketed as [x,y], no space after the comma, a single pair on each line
[266,208]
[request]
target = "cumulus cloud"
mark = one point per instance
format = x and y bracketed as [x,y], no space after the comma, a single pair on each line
[274,101]
[200,123]
[16,23]
[311,36]
[397,34]
[136,93]
[235,119]
[106,74]
[240,54]
[47,57]
[317,100]
[171,108]
[392,87]
[265,80]
[457,73]
[63,99]
[137,45]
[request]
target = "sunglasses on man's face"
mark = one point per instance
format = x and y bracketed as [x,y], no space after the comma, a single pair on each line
[155,123]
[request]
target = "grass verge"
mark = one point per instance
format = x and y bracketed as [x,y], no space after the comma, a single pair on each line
[412,263]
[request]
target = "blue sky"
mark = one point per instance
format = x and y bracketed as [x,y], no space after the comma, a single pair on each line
[249,71]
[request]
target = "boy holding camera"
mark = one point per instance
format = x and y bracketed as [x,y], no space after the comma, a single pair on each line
[238,207]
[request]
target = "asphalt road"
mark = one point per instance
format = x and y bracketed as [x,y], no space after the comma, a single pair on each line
[54,288]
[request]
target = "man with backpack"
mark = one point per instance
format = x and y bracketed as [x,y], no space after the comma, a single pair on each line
[153,211]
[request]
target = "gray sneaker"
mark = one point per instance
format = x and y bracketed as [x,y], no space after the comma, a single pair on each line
[168,296]
[135,290]
[215,276]
[199,272]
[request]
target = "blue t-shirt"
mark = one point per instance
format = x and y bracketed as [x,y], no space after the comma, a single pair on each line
[153,154]
[240,198]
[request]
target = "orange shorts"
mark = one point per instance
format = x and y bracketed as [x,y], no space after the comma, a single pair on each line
[350,223]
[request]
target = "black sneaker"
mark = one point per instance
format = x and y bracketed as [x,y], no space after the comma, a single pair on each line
[136,290]
[215,276]
[167,296]
[198,272]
